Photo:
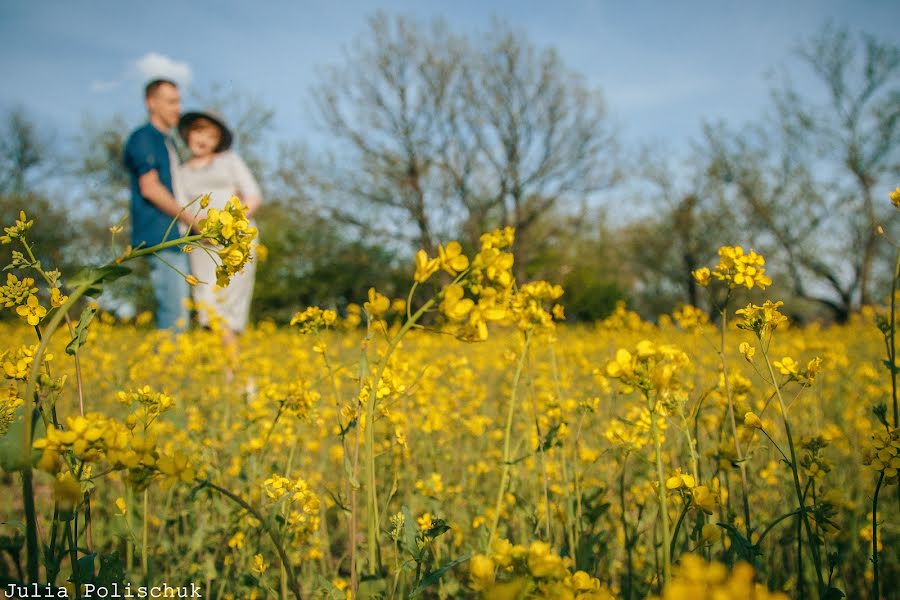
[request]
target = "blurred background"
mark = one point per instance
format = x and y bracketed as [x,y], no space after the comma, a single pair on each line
[625,142]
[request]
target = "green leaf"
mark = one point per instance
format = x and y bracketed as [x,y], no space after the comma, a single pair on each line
[741,544]
[410,532]
[833,593]
[79,336]
[438,528]
[11,457]
[348,470]
[434,576]
[84,569]
[95,275]
[111,571]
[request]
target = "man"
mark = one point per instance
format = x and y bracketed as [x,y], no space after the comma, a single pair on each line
[152,163]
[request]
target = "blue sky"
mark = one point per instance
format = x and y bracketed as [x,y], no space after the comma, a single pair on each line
[663,67]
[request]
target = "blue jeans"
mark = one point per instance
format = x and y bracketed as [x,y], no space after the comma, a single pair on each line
[170,289]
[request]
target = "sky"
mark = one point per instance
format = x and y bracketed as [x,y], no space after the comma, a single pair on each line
[663,67]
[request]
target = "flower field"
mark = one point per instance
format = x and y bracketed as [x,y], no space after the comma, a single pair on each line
[462,442]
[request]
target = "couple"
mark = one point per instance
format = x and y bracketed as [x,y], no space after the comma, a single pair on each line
[160,187]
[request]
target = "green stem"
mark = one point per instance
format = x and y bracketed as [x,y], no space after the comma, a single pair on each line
[504,476]
[372,493]
[145,567]
[678,523]
[734,430]
[273,535]
[766,531]
[814,548]
[876,585]
[893,346]
[661,477]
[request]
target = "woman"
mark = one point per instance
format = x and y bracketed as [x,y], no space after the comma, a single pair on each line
[214,170]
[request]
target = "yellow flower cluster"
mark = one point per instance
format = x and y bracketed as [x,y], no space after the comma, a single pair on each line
[650,367]
[530,302]
[231,230]
[296,398]
[152,403]
[489,279]
[450,259]
[313,319]
[9,402]
[16,291]
[736,269]
[301,505]
[895,197]
[884,454]
[633,431]
[531,572]
[16,231]
[761,320]
[696,579]
[690,317]
[17,364]
[96,438]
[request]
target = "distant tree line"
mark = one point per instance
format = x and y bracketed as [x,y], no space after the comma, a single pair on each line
[435,135]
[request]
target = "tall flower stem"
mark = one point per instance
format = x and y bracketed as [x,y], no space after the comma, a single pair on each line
[507,437]
[734,429]
[876,584]
[801,498]
[371,491]
[661,477]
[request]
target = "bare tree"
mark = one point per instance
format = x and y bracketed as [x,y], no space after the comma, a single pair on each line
[443,136]
[24,149]
[385,106]
[542,132]
[807,178]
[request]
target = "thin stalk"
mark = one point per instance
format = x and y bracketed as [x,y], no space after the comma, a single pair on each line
[293,584]
[663,512]
[893,345]
[629,585]
[876,584]
[678,523]
[372,493]
[504,475]
[814,549]
[145,565]
[734,429]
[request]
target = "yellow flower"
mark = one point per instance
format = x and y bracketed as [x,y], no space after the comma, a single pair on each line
[452,260]
[679,480]
[32,311]
[259,564]
[752,421]
[454,305]
[710,533]
[481,571]
[57,298]
[237,541]
[787,366]
[378,304]
[701,276]
[425,267]
[747,350]
[895,197]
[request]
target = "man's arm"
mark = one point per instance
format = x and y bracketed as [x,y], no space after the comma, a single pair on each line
[159,195]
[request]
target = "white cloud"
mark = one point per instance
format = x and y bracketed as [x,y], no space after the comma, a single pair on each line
[153,64]
[101,87]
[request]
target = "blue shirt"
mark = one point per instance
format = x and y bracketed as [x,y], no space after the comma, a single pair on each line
[146,150]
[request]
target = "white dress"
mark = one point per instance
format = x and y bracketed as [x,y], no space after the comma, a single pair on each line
[227,175]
